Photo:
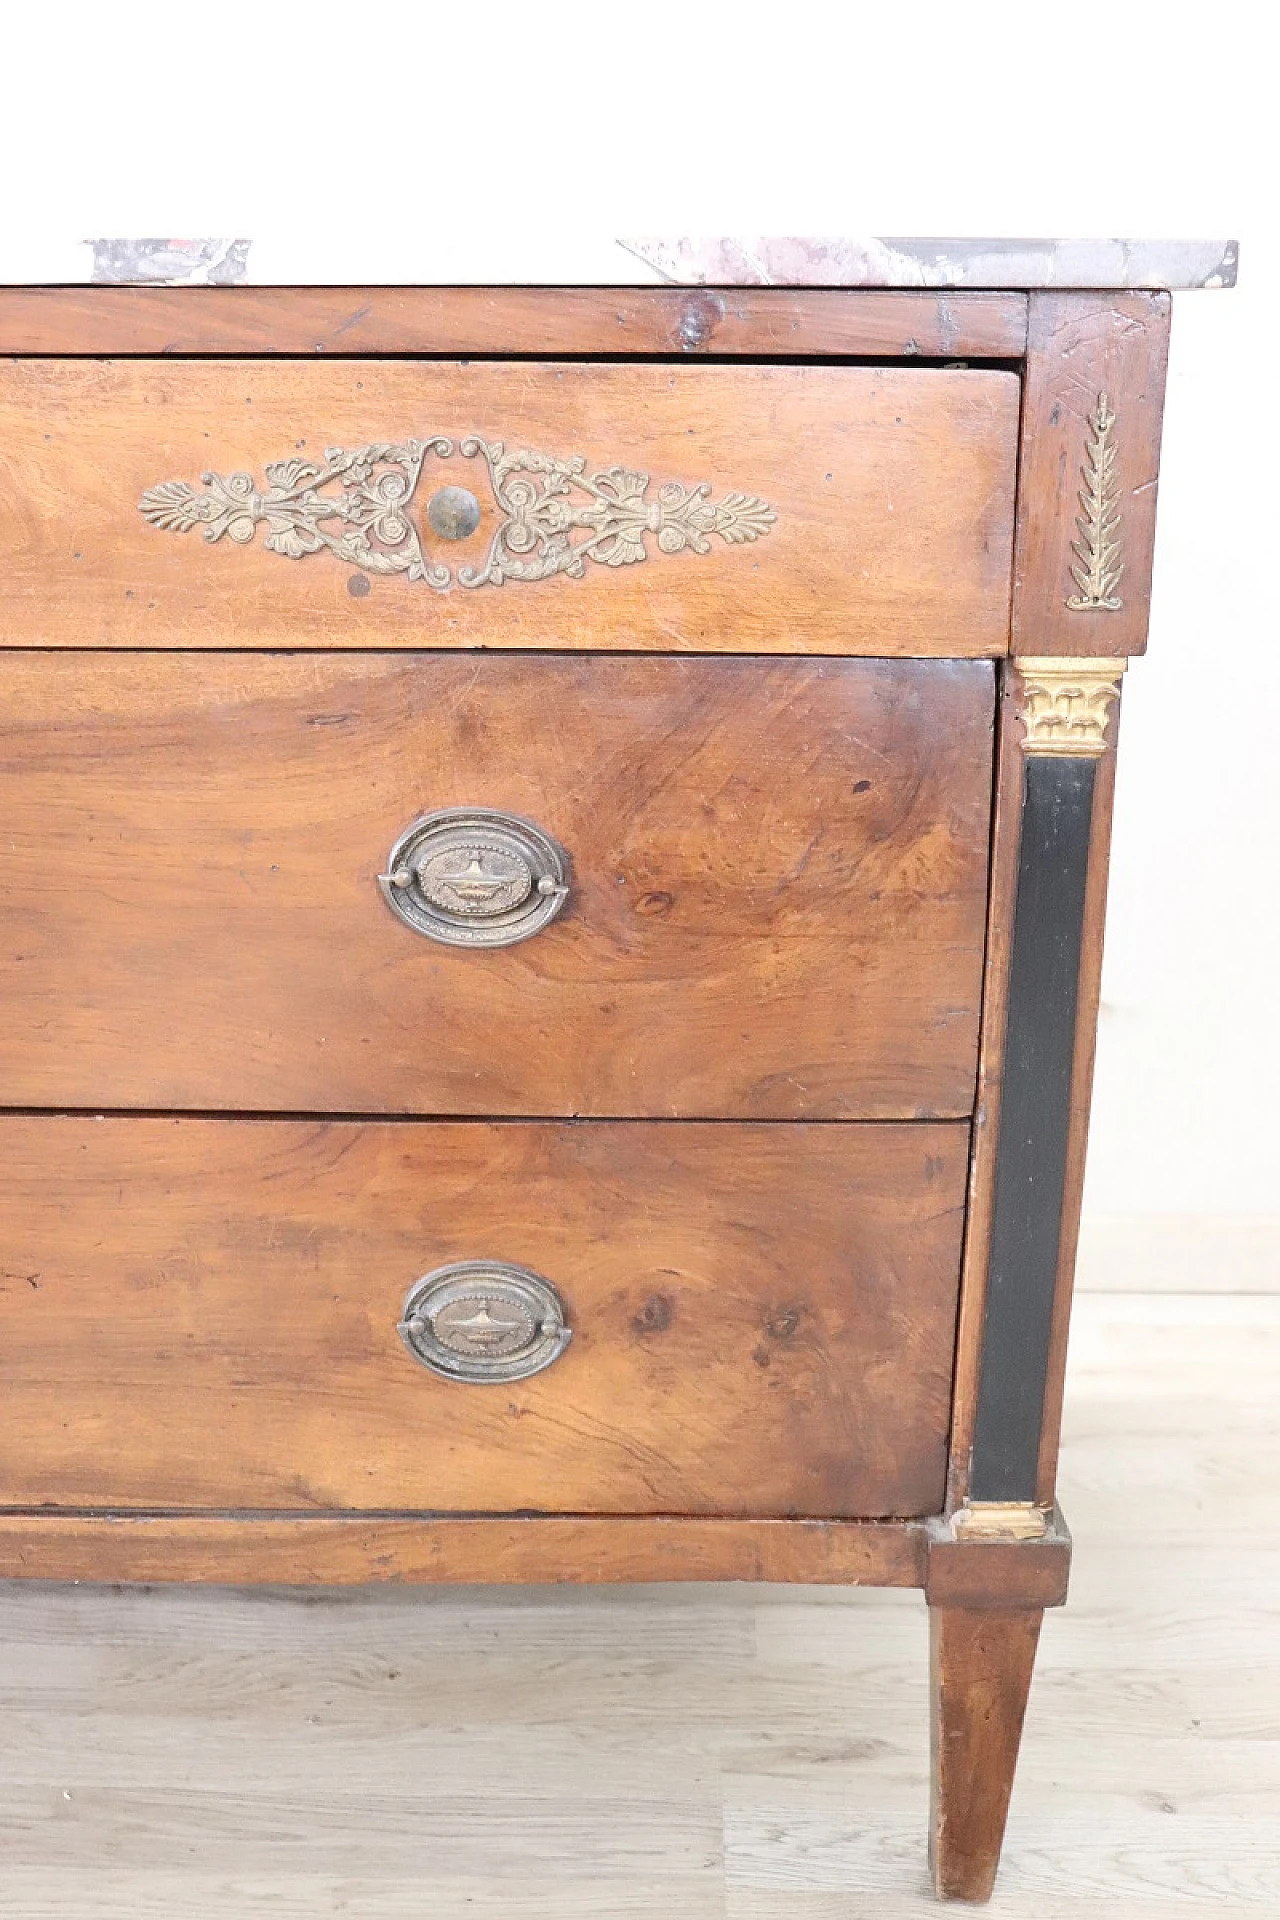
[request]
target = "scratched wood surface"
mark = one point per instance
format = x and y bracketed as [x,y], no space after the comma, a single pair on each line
[711,1753]
[766,322]
[1080,347]
[351,1549]
[778,884]
[892,489]
[763,1316]
[981,1662]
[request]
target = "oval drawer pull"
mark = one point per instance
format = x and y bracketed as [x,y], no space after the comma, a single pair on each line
[484,1320]
[473,877]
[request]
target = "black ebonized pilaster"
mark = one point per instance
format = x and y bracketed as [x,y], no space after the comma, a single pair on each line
[1035,1113]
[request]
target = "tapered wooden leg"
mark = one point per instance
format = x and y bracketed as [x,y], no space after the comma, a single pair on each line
[981,1673]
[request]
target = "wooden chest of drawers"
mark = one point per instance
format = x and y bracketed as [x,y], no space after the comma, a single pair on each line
[553,866]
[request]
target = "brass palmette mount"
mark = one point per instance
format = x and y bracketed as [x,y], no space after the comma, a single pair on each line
[1097,566]
[554,515]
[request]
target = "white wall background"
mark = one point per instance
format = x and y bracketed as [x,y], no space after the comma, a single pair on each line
[403,141]
[1184,1173]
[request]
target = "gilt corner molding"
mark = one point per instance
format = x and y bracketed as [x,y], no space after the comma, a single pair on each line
[554,516]
[1097,564]
[1000,1520]
[1066,704]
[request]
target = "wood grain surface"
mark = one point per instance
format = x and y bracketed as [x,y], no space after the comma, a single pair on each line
[202,1313]
[982,1662]
[767,322]
[1079,346]
[973,1573]
[892,489]
[267,1549]
[778,869]
[1002,896]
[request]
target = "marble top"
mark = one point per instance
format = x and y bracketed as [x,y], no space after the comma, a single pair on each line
[735,262]
[941,263]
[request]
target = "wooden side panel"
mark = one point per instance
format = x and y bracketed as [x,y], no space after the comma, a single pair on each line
[1082,349]
[202,1313]
[761,322]
[334,1550]
[778,884]
[891,491]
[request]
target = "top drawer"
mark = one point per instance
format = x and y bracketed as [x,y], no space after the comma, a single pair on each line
[240,503]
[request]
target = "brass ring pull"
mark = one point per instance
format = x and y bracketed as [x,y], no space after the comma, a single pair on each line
[472,877]
[482,1320]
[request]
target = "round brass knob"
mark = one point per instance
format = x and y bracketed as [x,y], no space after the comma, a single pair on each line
[453,513]
[471,877]
[483,1320]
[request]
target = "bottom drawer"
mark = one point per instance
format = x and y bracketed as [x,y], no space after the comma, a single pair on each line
[203,1314]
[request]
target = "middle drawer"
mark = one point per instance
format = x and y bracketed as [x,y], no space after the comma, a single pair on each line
[776,874]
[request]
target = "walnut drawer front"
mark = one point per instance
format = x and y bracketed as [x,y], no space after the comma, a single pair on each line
[777,883]
[206,1315]
[827,509]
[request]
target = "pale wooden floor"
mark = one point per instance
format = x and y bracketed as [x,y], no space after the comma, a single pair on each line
[688,1753]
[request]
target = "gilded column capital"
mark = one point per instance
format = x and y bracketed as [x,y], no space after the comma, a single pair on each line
[1065,703]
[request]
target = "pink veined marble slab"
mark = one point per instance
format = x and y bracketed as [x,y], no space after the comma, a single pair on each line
[941,263]
[732,262]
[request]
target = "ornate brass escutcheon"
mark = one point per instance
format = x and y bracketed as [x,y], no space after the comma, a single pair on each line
[553,515]
[472,877]
[483,1320]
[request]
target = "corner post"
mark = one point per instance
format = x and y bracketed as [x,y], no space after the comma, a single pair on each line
[1088,459]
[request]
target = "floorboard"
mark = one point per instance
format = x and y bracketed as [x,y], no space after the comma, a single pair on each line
[696,1754]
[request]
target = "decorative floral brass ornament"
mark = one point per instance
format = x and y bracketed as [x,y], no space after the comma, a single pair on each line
[1097,566]
[472,877]
[554,516]
[536,493]
[1066,704]
[366,522]
[483,1320]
